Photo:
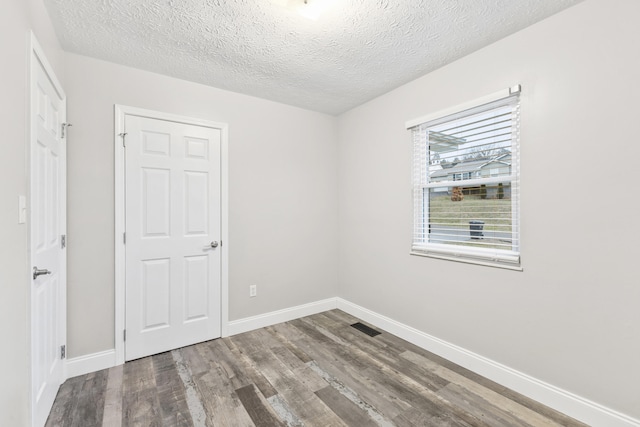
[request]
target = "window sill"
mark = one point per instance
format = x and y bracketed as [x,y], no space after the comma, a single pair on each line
[466,260]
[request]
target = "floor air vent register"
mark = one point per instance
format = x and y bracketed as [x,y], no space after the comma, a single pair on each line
[367,330]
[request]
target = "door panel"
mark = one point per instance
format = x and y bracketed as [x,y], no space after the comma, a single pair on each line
[172,216]
[196,291]
[47,223]
[196,205]
[155,293]
[156,196]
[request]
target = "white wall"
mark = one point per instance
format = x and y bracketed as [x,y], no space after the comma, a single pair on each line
[282,188]
[16,19]
[572,318]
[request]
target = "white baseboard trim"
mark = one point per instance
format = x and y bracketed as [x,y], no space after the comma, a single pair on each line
[561,400]
[262,320]
[90,363]
[106,359]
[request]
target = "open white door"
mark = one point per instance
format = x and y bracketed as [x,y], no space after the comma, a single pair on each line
[173,235]
[47,226]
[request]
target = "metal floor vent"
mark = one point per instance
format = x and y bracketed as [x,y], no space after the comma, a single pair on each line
[367,330]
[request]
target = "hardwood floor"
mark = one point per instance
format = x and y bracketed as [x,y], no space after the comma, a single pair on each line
[314,371]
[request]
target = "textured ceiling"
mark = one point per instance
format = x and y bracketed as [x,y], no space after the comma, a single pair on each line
[354,51]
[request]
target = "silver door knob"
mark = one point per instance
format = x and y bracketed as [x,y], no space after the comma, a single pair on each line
[39,272]
[214,244]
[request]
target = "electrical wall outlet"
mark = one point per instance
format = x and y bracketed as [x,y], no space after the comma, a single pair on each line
[253,291]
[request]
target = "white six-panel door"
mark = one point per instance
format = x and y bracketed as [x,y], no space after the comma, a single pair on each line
[46,227]
[173,231]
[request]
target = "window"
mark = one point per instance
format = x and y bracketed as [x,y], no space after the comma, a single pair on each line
[461,176]
[465,182]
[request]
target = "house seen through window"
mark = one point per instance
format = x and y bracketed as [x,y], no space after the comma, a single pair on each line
[465,183]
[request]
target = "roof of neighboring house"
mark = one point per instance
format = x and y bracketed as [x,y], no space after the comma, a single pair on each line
[470,166]
[441,142]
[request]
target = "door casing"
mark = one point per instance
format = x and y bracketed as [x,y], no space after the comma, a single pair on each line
[120,112]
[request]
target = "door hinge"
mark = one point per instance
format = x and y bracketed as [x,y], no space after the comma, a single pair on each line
[63,241]
[63,129]
[124,238]
[124,335]
[123,134]
[63,351]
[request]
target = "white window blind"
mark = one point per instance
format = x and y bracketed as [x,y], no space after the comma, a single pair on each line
[465,183]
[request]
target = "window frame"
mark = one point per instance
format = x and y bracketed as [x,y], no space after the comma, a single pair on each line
[421,246]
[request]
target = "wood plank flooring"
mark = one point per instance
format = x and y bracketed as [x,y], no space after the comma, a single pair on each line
[314,371]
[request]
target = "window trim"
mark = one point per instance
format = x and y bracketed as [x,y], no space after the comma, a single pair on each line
[496,258]
[495,96]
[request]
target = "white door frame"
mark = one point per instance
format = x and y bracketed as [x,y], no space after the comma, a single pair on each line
[37,58]
[120,111]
